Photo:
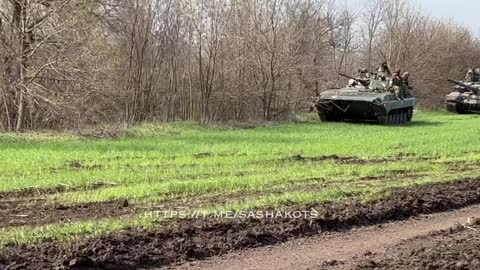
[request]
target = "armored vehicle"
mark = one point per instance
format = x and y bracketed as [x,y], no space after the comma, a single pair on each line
[366,100]
[466,95]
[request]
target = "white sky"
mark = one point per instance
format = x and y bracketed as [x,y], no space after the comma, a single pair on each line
[464,12]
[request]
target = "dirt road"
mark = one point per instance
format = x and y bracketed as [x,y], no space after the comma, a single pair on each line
[319,252]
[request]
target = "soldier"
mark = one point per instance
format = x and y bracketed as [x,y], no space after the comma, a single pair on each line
[352,83]
[396,84]
[470,76]
[383,70]
[314,101]
[476,74]
[363,74]
[406,83]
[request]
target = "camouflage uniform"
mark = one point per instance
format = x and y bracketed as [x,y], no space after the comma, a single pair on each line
[314,102]
[470,76]
[383,70]
[406,83]
[476,74]
[473,75]
[363,74]
[396,84]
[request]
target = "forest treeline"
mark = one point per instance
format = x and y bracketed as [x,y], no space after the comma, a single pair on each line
[68,63]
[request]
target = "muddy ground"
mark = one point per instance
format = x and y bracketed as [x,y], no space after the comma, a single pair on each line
[35,212]
[186,239]
[456,248]
[337,250]
[24,208]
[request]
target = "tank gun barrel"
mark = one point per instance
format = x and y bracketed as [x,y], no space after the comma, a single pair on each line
[466,86]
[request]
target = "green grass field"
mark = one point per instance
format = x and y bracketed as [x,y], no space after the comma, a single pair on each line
[185,164]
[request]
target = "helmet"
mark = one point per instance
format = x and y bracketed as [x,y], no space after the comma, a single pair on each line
[406,74]
[352,82]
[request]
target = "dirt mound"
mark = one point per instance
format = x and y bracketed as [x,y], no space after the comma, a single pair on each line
[457,248]
[195,239]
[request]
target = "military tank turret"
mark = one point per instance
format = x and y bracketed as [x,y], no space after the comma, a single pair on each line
[366,100]
[466,95]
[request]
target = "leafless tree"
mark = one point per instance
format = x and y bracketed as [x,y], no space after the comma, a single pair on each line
[73,63]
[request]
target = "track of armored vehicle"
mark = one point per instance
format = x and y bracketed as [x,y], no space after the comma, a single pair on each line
[465,98]
[370,102]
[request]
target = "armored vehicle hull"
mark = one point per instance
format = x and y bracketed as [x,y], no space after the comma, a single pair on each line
[466,96]
[352,103]
[466,102]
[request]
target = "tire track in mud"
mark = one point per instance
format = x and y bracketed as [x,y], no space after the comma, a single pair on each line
[41,191]
[189,239]
[454,248]
[359,160]
[27,207]
[36,212]
[355,248]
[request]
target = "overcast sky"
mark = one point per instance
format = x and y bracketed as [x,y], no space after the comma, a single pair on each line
[462,11]
[465,12]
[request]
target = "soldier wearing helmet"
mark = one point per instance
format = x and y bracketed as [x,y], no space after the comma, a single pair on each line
[383,70]
[363,74]
[396,84]
[406,83]
[476,74]
[469,77]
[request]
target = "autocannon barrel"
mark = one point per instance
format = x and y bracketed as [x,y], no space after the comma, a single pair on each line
[346,76]
[362,81]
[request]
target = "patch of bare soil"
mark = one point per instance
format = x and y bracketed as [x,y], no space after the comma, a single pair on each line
[456,248]
[335,250]
[39,191]
[463,166]
[35,212]
[189,239]
[358,160]
[340,159]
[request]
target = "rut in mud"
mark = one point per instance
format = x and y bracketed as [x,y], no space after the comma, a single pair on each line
[336,250]
[196,239]
[358,160]
[39,191]
[456,248]
[35,212]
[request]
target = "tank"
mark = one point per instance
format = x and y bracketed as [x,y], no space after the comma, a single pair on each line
[366,100]
[466,95]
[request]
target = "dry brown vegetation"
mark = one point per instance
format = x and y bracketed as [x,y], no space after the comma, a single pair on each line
[68,63]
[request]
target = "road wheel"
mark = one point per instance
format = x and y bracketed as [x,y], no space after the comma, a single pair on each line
[382,119]
[409,114]
[396,118]
[403,118]
[323,116]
